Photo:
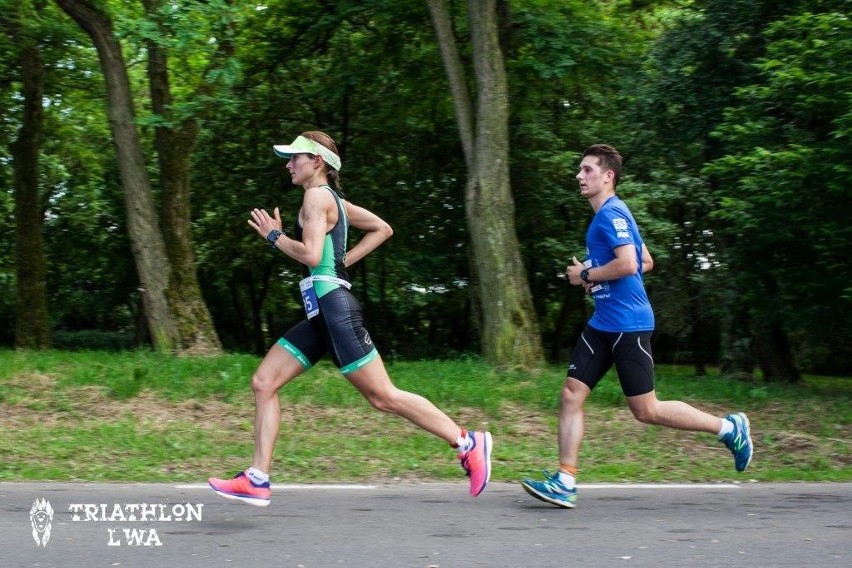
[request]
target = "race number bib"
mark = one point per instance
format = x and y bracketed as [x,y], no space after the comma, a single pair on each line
[309,294]
[309,297]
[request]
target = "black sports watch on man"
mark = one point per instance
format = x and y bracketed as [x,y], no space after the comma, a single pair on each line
[584,275]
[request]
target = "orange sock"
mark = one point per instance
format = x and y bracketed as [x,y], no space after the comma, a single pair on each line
[569,469]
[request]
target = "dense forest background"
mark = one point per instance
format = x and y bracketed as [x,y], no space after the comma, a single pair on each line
[136,137]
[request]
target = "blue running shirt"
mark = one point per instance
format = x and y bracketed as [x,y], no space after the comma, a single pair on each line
[620,305]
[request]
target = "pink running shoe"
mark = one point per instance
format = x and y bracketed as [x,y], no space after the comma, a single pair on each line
[477,462]
[241,488]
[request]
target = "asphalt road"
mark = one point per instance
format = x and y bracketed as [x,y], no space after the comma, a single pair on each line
[429,525]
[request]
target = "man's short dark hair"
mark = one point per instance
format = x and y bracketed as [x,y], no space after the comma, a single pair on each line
[608,158]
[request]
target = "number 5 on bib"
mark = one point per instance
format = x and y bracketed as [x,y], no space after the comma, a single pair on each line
[309,297]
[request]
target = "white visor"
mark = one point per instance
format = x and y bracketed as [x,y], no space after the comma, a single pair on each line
[302,145]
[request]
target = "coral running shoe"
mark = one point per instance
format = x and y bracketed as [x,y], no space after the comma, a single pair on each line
[241,488]
[551,490]
[739,440]
[477,462]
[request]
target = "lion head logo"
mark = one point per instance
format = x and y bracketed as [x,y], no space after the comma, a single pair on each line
[40,516]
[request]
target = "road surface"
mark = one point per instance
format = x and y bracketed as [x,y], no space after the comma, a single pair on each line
[428,525]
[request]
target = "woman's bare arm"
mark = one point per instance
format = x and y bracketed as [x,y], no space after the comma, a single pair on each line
[376,231]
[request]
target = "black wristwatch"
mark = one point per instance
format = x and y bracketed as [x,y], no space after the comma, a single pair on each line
[273,236]
[584,275]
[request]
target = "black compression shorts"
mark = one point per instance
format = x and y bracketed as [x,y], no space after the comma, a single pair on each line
[338,329]
[596,351]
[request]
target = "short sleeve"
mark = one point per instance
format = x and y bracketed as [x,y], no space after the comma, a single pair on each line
[616,228]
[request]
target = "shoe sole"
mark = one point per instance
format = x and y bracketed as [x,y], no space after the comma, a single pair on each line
[750,443]
[489,444]
[546,499]
[255,501]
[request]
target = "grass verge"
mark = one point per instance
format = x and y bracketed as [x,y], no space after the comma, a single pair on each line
[140,416]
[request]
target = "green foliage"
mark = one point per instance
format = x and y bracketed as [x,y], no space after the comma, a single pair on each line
[384,99]
[729,113]
[744,86]
[565,80]
[787,143]
[92,339]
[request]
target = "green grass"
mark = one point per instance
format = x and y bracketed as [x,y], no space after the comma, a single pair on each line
[140,416]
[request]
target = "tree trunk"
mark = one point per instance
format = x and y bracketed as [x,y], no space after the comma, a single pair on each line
[696,336]
[510,334]
[771,344]
[257,289]
[736,358]
[32,329]
[146,241]
[774,355]
[195,333]
[455,76]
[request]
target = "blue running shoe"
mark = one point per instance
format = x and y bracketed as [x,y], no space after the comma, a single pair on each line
[551,490]
[739,441]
